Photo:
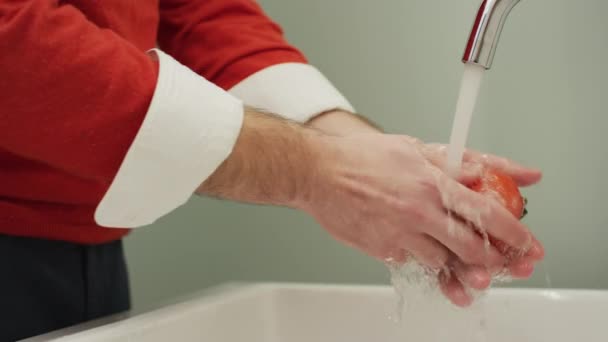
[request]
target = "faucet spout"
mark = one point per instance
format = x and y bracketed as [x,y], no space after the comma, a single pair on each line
[488,25]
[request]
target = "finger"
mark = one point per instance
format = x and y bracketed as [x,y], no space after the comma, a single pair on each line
[521,269]
[464,242]
[427,251]
[533,254]
[475,277]
[523,176]
[485,213]
[469,173]
[453,289]
[536,251]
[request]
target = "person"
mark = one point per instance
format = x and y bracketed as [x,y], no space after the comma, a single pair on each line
[114,113]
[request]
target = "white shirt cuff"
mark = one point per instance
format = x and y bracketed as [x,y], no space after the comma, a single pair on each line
[189,130]
[295,91]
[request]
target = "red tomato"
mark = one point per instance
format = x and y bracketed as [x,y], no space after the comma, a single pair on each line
[503,188]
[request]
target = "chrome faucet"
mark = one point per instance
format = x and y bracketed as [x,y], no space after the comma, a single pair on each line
[488,25]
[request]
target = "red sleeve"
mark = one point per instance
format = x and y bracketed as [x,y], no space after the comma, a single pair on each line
[73,95]
[223,40]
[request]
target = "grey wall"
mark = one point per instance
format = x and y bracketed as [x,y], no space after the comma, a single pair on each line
[544,103]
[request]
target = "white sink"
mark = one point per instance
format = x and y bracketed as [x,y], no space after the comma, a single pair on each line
[319,313]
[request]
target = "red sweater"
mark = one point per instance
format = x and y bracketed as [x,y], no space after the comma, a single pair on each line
[75,86]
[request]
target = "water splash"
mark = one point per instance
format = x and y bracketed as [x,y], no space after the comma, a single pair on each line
[419,295]
[415,285]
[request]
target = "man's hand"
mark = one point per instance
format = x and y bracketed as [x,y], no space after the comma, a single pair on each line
[473,276]
[385,195]
[453,280]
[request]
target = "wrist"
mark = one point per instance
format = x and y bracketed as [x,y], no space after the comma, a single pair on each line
[274,161]
[343,123]
[316,152]
[323,170]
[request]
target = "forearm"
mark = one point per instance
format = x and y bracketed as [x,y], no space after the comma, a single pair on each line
[273,162]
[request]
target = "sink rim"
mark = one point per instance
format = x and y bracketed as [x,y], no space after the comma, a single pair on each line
[234,290]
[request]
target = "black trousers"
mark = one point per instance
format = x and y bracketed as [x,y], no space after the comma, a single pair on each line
[48,285]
